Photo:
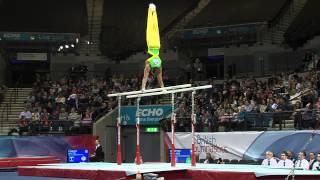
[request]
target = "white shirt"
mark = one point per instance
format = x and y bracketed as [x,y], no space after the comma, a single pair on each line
[26,114]
[316,165]
[302,164]
[311,161]
[270,162]
[285,163]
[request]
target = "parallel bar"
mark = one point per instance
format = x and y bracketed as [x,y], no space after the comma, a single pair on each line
[169,92]
[150,90]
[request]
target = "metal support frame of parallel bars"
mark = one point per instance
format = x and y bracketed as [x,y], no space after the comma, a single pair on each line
[155,92]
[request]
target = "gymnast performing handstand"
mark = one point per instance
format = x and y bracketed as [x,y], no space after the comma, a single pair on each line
[154,63]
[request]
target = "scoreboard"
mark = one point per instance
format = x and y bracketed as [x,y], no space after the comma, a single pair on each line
[78,155]
[182,155]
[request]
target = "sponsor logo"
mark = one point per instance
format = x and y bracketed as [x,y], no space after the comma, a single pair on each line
[208,144]
[150,112]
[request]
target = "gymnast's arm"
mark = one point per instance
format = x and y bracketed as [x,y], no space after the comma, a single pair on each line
[145,75]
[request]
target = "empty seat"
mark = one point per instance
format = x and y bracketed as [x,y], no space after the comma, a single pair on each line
[226,161]
[234,161]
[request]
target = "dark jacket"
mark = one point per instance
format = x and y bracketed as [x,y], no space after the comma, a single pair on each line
[99,155]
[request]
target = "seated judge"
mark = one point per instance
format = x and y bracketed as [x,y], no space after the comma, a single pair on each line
[285,162]
[302,162]
[98,155]
[316,165]
[270,160]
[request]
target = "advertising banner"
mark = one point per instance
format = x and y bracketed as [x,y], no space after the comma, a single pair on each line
[247,145]
[57,146]
[149,115]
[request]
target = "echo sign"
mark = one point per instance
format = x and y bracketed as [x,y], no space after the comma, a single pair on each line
[150,112]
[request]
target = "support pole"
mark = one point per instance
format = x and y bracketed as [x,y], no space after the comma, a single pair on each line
[173,122]
[193,123]
[119,157]
[138,160]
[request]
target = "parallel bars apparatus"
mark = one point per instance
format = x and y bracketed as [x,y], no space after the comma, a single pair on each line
[119,96]
[173,119]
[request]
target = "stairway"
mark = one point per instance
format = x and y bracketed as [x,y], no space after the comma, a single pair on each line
[278,26]
[90,44]
[11,119]
[167,38]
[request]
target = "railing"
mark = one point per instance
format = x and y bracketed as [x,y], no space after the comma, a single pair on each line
[302,119]
[298,119]
[4,114]
[4,108]
[8,106]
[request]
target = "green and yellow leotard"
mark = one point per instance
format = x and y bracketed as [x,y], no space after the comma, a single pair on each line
[153,38]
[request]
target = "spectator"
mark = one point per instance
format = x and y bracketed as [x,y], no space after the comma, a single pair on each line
[63,116]
[270,160]
[36,116]
[302,162]
[26,114]
[30,99]
[49,107]
[87,118]
[312,160]
[44,116]
[61,99]
[263,106]
[64,123]
[23,126]
[73,100]
[13,132]
[285,162]
[55,114]
[35,119]
[75,118]
[248,107]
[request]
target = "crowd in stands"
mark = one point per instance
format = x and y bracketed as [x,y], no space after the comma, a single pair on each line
[235,100]
[70,104]
[73,104]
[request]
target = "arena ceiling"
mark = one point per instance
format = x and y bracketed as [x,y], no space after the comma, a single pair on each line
[124,23]
[57,16]
[305,26]
[226,12]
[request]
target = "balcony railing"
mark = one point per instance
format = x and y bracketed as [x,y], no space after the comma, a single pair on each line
[249,121]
